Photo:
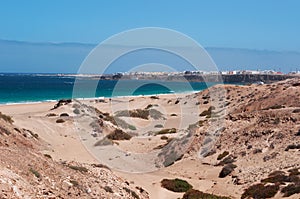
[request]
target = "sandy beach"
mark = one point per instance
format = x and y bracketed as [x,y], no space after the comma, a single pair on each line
[142,160]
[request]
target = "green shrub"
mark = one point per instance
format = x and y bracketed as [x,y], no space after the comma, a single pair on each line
[176,185]
[195,194]
[131,127]
[222,155]
[260,191]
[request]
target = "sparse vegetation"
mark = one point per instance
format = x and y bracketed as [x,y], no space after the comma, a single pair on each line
[35,173]
[48,156]
[74,183]
[104,142]
[138,113]
[78,168]
[6,118]
[51,115]
[4,130]
[164,137]
[108,189]
[195,194]
[274,107]
[158,126]
[260,191]
[291,189]
[131,127]
[176,185]
[226,170]
[226,160]
[76,111]
[132,193]
[118,134]
[64,115]
[166,131]
[292,146]
[60,120]
[222,155]
[154,97]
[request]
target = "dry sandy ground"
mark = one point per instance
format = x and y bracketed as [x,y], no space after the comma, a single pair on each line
[134,160]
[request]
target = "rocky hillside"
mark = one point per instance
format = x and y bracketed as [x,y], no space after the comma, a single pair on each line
[26,173]
[259,144]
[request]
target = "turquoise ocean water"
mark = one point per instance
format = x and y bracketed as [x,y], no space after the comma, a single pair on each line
[28,88]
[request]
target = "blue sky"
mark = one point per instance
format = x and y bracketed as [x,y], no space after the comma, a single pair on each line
[255,24]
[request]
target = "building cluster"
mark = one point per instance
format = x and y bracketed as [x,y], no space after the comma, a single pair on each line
[233,72]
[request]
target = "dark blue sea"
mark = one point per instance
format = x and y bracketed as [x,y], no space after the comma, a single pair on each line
[27,88]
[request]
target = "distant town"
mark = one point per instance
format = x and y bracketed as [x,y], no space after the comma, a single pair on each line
[243,76]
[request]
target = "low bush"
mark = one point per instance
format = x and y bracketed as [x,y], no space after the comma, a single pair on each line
[64,115]
[164,137]
[226,170]
[291,189]
[108,189]
[296,111]
[277,177]
[195,194]
[6,118]
[74,183]
[132,193]
[118,134]
[176,185]
[154,97]
[166,131]
[292,146]
[138,113]
[222,155]
[76,111]
[104,142]
[78,168]
[260,191]
[51,115]
[226,160]
[48,156]
[60,121]
[35,173]
[274,107]
[158,126]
